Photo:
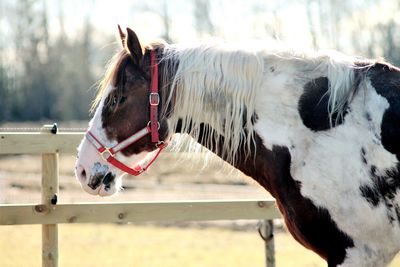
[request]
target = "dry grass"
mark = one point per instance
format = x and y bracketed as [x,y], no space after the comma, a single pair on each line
[169,179]
[127,245]
[112,245]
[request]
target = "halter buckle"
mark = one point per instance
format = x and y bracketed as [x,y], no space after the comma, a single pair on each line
[106,154]
[154,99]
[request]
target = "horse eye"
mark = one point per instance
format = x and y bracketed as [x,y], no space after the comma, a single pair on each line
[122,100]
[114,101]
[119,101]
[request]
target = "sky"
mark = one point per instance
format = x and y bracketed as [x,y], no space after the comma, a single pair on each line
[235,20]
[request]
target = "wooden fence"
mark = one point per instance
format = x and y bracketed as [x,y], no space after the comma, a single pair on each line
[50,143]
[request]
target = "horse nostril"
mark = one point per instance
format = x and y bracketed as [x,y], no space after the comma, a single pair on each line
[83,174]
[107,180]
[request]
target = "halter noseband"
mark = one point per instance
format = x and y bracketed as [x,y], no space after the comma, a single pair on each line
[152,128]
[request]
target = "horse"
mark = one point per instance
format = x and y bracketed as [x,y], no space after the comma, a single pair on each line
[319,131]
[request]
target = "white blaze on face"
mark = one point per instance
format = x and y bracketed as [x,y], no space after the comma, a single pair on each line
[91,168]
[89,164]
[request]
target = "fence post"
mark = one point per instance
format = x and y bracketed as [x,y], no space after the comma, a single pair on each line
[49,198]
[267,233]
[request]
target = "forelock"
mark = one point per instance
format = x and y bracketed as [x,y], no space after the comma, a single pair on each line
[114,75]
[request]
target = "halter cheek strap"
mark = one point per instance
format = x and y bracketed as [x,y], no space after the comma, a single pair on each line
[154,99]
[152,128]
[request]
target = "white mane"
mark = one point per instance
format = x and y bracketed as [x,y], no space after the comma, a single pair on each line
[218,86]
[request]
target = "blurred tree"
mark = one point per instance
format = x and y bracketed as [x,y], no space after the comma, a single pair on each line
[31,43]
[52,79]
[203,23]
[166,19]
[5,97]
[73,76]
[161,8]
[4,87]
[390,35]
[311,22]
[325,21]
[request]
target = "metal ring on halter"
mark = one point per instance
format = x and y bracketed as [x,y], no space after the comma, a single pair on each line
[106,154]
[158,125]
[160,143]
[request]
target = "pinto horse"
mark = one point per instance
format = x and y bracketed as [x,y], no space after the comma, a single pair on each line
[320,132]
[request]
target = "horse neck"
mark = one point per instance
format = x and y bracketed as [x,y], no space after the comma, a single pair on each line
[257,162]
[222,98]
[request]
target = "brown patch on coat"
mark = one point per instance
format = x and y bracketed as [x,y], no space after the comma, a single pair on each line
[310,225]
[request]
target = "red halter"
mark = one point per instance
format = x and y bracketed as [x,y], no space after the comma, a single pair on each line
[152,127]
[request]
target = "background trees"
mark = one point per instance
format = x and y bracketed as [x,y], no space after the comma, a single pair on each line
[53,52]
[43,75]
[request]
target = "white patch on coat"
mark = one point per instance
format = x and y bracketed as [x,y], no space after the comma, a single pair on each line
[328,163]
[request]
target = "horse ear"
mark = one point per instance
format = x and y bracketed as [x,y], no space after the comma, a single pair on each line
[122,35]
[134,47]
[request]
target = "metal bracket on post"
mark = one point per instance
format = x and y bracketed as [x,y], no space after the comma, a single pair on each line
[49,199]
[49,128]
[266,231]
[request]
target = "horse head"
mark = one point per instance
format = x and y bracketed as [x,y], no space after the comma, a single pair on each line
[121,133]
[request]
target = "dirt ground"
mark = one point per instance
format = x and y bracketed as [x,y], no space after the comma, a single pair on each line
[170,178]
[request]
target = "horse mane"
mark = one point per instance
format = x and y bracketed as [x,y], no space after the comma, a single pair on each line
[345,77]
[216,86]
